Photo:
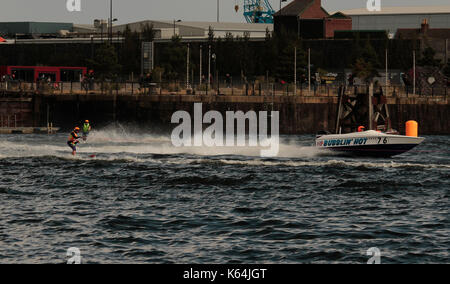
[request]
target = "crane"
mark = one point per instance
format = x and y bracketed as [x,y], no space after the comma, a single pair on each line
[257,11]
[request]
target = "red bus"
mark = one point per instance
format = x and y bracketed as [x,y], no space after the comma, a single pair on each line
[33,73]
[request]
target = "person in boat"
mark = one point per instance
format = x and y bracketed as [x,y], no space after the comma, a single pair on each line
[86,129]
[73,140]
[361,129]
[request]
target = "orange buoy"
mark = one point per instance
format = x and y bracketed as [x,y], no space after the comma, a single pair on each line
[412,128]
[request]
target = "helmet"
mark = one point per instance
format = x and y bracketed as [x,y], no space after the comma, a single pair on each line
[77,129]
[86,121]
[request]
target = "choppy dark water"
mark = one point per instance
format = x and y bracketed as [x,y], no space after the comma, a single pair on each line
[143,201]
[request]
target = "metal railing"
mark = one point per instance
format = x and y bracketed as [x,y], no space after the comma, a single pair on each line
[222,88]
[11,121]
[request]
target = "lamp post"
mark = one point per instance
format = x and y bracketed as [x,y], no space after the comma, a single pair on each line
[280,4]
[218,10]
[174,26]
[309,71]
[295,71]
[187,66]
[201,51]
[209,67]
[414,72]
[110,21]
[387,71]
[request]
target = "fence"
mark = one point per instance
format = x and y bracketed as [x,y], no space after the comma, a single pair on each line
[217,88]
[11,121]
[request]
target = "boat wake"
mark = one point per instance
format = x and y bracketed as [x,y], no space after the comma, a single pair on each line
[118,145]
[110,142]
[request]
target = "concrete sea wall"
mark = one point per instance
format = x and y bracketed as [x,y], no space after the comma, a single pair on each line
[298,115]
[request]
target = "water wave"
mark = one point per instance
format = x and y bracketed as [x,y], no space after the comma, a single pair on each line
[335,163]
[141,200]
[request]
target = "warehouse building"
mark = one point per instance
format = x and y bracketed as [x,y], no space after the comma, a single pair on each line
[200,30]
[393,18]
[164,30]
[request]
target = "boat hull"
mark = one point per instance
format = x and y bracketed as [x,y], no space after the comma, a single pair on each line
[368,143]
[381,151]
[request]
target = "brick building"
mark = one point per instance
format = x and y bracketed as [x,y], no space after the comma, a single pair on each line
[308,19]
[436,38]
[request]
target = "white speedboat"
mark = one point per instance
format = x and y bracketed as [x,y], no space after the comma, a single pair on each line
[368,143]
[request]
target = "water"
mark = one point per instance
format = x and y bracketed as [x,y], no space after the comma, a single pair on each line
[143,201]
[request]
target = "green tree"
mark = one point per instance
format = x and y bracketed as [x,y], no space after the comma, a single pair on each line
[130,55]
[105,62]
[356,49]
[284,69]
[174,63]
[370,54]
[365,67]
[428,58]
[401,53]
[364,70]
[211,35]
[269,54]
[229,60]
[246,61]
[148,33]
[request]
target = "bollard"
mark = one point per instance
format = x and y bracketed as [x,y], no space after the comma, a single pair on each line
[412,128]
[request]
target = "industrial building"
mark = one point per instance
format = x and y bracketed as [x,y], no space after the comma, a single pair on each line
[199,30]
[38,32]
[34,28]
[308,19]
[393,18]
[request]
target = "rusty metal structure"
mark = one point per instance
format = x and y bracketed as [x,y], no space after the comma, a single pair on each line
[367,109]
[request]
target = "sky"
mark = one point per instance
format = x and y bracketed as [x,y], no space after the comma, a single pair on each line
[135,10]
